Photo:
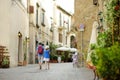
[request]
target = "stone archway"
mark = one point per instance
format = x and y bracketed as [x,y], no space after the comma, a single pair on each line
[73,42]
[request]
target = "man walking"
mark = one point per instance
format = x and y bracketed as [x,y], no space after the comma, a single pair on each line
[40,50]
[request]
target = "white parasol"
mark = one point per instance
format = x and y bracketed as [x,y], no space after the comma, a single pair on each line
[73,49]
[63,49]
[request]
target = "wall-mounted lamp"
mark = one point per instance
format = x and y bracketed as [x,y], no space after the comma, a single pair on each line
[51,18]
[27,39]
[51,29]
[19,34]
[101,19]
[99,13]
[100,16]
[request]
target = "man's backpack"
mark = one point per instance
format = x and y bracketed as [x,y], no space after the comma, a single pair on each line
[40,49]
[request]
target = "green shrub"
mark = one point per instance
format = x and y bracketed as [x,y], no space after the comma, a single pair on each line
[107,62]
[63,57]
[53,57]
[5,61]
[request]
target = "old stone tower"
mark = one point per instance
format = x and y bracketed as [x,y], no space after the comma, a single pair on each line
[85,14]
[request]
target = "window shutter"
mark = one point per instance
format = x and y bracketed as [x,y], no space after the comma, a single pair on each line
[31,9]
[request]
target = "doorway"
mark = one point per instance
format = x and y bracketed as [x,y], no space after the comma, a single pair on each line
[19,49]
[73,43]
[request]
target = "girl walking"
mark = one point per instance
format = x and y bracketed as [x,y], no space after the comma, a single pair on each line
[47,57]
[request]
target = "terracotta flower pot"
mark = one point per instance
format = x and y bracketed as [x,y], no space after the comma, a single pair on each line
[5,66]
[24,63]
[104,79]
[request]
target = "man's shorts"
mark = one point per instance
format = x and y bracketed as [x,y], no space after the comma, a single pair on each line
[40,58]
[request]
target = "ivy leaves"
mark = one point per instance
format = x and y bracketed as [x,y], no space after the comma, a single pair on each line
[113,10]
[104,39]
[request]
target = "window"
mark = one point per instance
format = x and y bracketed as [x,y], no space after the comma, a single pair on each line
[47,43]
[63,21]
[43,17]
[20,0]
[60,21]
[31,9]
[37,7]
[60,37]
[95,2]
[68,24]
[66,39]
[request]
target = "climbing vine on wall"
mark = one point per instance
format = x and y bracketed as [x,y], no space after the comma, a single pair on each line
[113,18]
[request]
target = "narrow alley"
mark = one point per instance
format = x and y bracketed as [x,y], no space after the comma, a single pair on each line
[57,71]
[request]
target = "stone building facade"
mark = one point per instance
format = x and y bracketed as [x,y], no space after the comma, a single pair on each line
[40,25]
[62,27]
[44,25]
[86,13]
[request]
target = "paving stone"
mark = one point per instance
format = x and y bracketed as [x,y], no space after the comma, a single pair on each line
[57,71]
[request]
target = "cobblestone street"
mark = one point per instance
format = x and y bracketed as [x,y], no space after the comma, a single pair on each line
[57,71]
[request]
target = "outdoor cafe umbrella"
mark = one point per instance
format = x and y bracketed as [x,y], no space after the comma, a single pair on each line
[73,49]
[63,49]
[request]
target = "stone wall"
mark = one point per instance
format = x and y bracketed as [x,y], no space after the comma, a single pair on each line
[85,13]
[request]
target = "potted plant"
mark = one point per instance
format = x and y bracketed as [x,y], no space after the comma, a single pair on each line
[52,52]
[25,59]
[5,62]
[25,52]
[63,58]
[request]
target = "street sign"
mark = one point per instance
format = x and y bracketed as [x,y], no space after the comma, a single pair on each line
[81,27]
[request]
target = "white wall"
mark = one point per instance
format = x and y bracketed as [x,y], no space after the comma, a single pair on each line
[13,18]
[18,22]
[4,22]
